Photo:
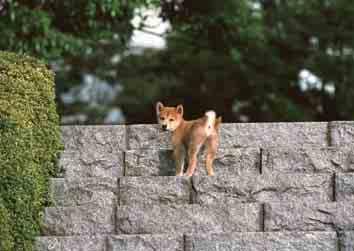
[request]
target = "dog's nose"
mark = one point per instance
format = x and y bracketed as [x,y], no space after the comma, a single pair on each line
[164,127]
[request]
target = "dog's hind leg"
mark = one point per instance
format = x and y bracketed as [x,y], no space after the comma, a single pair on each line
[193,150]
[211,149]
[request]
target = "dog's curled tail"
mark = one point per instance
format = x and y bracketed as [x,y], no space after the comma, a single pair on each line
[212,123]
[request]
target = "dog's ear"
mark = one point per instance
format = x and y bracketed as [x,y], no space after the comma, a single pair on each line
[159,107]
[180,109]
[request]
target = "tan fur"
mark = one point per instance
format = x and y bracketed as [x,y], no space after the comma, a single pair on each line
[189,136]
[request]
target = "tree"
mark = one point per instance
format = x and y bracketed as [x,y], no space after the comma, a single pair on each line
[74,37]
[244,58]
[57,29]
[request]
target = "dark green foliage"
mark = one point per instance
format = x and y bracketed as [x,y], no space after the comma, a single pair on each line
[29,146]
[6,238]
[243,58]
[56,29]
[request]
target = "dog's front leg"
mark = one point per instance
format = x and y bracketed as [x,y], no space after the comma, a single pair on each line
[179,156]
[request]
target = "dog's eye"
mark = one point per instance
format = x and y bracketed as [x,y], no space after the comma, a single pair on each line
[171,120]
[162,118]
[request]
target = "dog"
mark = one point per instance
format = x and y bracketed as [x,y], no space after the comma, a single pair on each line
[189,136]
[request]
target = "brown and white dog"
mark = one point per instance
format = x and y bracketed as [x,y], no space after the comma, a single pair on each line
[189,136]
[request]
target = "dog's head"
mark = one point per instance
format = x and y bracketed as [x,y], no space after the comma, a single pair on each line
[169,117]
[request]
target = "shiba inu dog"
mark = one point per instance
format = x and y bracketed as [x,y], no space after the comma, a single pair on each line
[189,136]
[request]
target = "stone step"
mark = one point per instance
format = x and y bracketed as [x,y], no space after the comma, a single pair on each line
[82,191]
[161,242]
[341,133]
[154,190]
[92,164]
[289,241]
[344,187]
[179,219]
[226,189]
[309,216]
[71,243]
[241,135]
[150,136]
[102,138]
[248,241]
[263,188]
[160,162]
[308,160]
[156,242]
[93,218]
[346,240]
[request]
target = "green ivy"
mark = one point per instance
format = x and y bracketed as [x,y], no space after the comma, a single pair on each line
[29,146]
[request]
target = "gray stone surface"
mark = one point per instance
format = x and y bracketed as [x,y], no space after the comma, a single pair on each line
[345,187]
[239,135]
[179,219]
[93,151]
[94,138]
[71,243]
[341,133]
[263,188]
[92,164]
[144,162]
[80,220]
[307,160]
[309,217]
[282,241]
[148,136]
[346,240]
[154,190]
[236,161]
[81,191]
[145,243]
[225,242]
[274,134]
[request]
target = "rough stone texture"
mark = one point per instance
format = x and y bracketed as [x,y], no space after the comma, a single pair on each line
[179,219]
[79,220]
[307,160]
[145,243]
[237,161]
[92,164]
[82,191]
[309,217]
[345,187]
[239,135]
[71,243]
[346,240]
[154,190]
[225,242]
[149,163]
[148,136]
[108,139]
[341,133]
[264,188]
[93,151]
[289,241]
[274,134]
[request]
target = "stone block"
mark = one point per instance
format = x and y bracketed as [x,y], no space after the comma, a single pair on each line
[179,219]
[154,190]
[263,188]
